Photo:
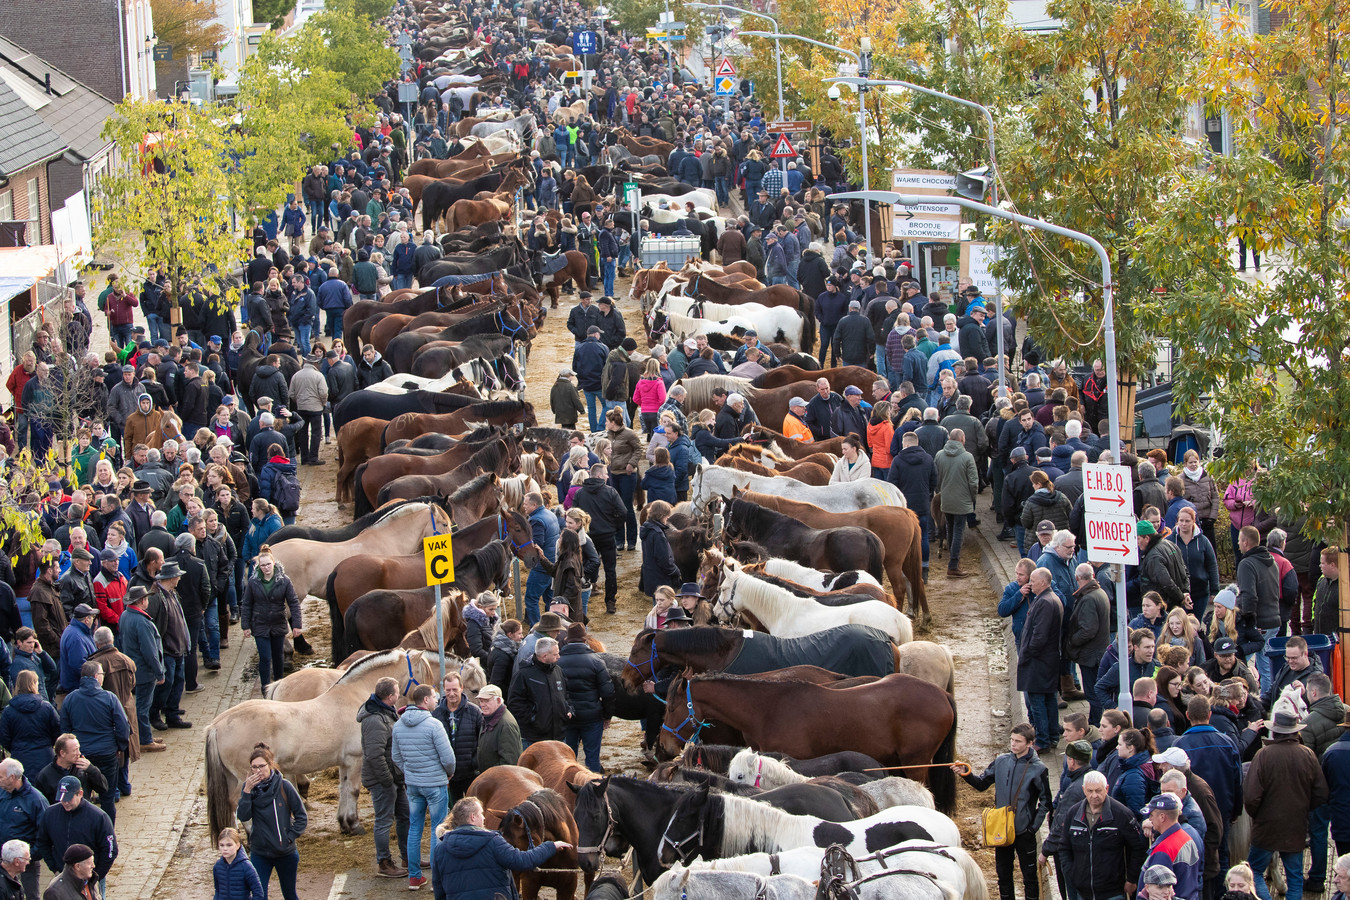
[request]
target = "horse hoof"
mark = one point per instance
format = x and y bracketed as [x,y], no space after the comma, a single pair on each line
[356,828]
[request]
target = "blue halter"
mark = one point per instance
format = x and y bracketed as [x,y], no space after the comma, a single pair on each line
[689,719]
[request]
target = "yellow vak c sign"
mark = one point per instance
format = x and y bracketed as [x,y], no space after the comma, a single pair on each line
[440,559]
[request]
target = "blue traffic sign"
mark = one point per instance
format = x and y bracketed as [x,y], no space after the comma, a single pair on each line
[585,42]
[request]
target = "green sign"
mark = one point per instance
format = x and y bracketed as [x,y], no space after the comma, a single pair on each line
[632,195]
[162,53]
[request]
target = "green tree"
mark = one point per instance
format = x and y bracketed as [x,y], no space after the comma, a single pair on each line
[348,43]
[1095,146]
[272,11]
[168,207]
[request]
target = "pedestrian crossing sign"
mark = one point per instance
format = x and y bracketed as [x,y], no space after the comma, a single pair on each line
[782,148]
[726,86]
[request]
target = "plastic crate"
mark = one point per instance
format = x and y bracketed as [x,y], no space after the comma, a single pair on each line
[674,250]
[1323,645]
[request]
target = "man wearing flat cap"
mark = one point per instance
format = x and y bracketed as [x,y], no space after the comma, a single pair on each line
[1174,849]
[77,642]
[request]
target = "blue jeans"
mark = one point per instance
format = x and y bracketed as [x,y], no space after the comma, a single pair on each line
[607,276]
[1262,661]
[925,523]
[420,800]
[1043,711]
[625,255]
[208,637]
[595,406]
[626,485]
[538,586]
[956,534]
[401,281]
[778,279]
[723,188]
[156,327]
[585,603]
[121,334]
[1259,858]
[333,322]
[880,356]
[169,694]
[620,406]
[145,697]
[1021,540]
[237,580]
[317,214]
[286,867]
[302,337]
[270,658]
[1319,820]
[826,339]
[589,734]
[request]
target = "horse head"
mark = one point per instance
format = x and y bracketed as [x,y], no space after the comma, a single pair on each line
[596,829]
[642,661]
[710,573]
[682,840]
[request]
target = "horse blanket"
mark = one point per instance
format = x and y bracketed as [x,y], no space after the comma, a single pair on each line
[851,650]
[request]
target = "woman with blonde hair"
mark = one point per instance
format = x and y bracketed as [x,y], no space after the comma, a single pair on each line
[1181,630]
[664,599]
[263,615]
[649,393]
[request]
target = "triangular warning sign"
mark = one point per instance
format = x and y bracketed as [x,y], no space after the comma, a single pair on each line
[725,67]
[782,148]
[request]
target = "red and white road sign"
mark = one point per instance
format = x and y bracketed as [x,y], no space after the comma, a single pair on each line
[782,148]
[1111,538]
[725,67]
[1108,489]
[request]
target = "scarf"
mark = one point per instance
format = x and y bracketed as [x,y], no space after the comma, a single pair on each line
[492,721]
[1196,476]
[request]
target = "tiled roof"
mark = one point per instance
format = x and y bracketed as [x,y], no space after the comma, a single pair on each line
[73,110]
[25,139]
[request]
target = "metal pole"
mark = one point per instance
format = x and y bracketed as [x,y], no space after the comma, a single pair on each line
[1109,339]
[440,633]
[777,55]
[862,136]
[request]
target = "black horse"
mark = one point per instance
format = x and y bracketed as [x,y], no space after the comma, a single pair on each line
[437,362]
[439,196]
[386,406]
[251,357]
[832,549]
[401,350]
[505,254]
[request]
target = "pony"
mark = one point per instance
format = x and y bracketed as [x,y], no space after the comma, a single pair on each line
[860,803]
[805,472]
[557,765]
[786,615]
[516,803]
[846,651]
[835,548]
[308,736]
[716,481]
[763,771]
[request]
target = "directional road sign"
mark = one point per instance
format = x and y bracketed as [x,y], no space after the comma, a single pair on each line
[1111,539]
[800,127]
[938,220]
[725,67]
[726,86]
[782,148]
[1108,489]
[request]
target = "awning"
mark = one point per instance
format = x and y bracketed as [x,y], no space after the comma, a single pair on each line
[23,267]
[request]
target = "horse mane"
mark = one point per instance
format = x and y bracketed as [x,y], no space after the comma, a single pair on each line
[472,486]
[694,776]
[450,601]
[702,639]
[396,511]
[700,389]
[480,434]
[542,809]
[374,661]
[749,549]
[609,887]
[763,596]
[491,408]
[749,826]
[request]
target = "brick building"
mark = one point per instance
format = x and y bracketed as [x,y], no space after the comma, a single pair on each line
[105,44]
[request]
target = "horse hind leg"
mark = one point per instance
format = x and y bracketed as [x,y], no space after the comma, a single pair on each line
[349,790]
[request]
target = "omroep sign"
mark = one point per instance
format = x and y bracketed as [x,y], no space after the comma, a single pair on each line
[1108,500]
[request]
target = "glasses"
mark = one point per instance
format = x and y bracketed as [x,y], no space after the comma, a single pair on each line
[259,767]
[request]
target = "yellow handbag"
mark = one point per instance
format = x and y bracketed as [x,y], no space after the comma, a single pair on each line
[1000,821]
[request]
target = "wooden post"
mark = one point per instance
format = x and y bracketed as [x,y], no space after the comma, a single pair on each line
[1128,389]
[1343,588]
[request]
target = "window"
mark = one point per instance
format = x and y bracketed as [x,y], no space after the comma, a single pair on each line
[35,210]
[6,206]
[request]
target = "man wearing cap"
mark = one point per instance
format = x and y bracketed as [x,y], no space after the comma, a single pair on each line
[77,642]
[97,719]
[77,589]
[850,417]
[794,423]
[751,342]
[1199,806]
[1283,785]
[1096,840]
[1174,849]
[1077,756]
[588,361]
[853,341]
[141,643]
[582,317]
[564,400]
[590,693]
[1161,567]
[195,594]
[72,828]
[166,612]
[611,324]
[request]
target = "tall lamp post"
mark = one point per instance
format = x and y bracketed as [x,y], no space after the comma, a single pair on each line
[993,187]
[863,60]
[777,49]
[1108,336]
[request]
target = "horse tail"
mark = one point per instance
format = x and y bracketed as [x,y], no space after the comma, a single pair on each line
[339,639]
[350,634]
[807,306]
[912,566]
[219,810]
[941,780]
[976,887]
[876,559]
[361,502]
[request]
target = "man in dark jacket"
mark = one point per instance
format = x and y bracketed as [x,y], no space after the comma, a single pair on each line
[853,340]
[610,321]
[1038,656]
[588,361]
[582,317]
[70,820]
[1087,632]
[1258,582]
[1283,784]
[1017,490]
[381,777]
[971,337]
[1020,780]
[96,718]
[462,721]
[850,418]
[1149,491]
[270,381]
[78,880]
[913,472]
[820,410]
[21,809]
[1161,567]
[538,696]
[590,693]
[372,369]
[195,594]
[1299,666]
[831,307]
[1097,843]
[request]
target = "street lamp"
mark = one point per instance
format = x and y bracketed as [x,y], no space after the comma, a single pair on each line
[1108,337]
[864,63]
[777,50]
[968,184]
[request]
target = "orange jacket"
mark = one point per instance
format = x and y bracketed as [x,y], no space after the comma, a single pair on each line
[879,439]
[796,429]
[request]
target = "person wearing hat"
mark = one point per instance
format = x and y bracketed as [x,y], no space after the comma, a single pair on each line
[122,399]
[1284,783]
[794,423]
[755,250]
[499,741]
[309,395]
[77,589]
[77,642]
[564,400]
[67,831]
[76,880]
[550,624]
[1159,883]
[538,694]
[590,693]
[166,611]
[141,643]
[1020,780]
[1175,851]
[1096,840]
[1227,629]
[1161,566]
[142,426]
[96,718]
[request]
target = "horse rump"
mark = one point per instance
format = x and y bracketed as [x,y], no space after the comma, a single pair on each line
[941,779]
[608,887]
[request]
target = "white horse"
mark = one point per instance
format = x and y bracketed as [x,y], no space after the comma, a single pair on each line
[687,884]
[786,615]
[769,321]
[699,197]
[749,767]
[952,866]
[718,481]
[813,578]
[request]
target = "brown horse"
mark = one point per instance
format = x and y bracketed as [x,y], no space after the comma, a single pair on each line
[805,472]
[381,470]
[558,767]
[643,146]
[574,271]
[390,326]
[758,453]
[839,378]
[897,720]
[493,412]
[516,803]
[897,527]
[358,441]
[478,491]
[798,450]
[773,295]
[463,213]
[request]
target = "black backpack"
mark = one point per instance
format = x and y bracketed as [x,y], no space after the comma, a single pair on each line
[286,491]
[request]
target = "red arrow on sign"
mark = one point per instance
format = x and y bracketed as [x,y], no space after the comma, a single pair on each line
[1108,498]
